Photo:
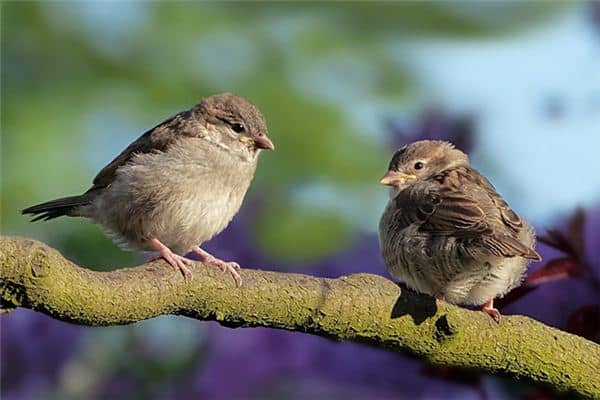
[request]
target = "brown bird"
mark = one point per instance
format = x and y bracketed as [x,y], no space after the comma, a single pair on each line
[178,184]
[446,231]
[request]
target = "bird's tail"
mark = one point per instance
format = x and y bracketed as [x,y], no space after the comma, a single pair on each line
[56,208]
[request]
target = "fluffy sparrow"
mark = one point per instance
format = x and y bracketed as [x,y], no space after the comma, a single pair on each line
[447,232]
[178,184]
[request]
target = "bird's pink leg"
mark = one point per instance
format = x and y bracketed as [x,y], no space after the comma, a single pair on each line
[230,267]
[175,260]
[489,309]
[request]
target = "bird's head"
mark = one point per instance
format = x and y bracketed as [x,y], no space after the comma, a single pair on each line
[233,123]
[421,160]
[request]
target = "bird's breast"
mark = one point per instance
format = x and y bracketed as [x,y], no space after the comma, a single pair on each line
[183,196]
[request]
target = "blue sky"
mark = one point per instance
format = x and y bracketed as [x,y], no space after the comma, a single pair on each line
[537,98]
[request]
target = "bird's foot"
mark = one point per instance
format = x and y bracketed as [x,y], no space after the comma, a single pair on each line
[226,266]
[489,309]
[175,260]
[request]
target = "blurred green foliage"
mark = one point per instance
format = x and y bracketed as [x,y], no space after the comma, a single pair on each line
[80,80]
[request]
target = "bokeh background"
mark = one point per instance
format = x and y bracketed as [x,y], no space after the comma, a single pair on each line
[342,85]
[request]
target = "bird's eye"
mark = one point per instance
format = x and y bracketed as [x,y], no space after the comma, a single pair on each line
[238,128]
[419,165]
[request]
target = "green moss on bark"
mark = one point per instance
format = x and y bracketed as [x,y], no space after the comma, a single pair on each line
[361,307]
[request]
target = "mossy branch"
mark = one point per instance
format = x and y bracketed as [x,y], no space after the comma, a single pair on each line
[362,308]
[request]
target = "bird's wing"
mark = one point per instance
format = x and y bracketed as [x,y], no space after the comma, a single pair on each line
[509,217]
[155,139]
[441,210]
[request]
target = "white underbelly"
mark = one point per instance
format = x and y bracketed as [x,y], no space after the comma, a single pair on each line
[182,205]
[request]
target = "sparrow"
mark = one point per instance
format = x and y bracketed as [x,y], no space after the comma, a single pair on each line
[177,185]
[446,231]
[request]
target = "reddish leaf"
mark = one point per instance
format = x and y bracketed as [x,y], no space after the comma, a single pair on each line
[572,244]
[557,269]
[585,322]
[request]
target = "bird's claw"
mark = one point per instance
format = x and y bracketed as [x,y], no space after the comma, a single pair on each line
[489,309]
[229,267]
[177,261]
[232,268]
[182,263]
[494,313]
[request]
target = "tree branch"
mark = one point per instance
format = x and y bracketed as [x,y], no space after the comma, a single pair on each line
[362,308]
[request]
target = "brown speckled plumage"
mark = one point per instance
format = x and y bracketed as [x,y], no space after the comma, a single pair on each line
[178,184]
[447,232]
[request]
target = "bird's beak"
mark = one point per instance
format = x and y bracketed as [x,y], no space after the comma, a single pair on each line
[394,178]
[263,142]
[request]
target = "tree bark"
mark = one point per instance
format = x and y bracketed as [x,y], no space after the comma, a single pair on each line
[362,307]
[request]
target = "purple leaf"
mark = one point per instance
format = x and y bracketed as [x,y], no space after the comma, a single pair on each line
[557,269]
